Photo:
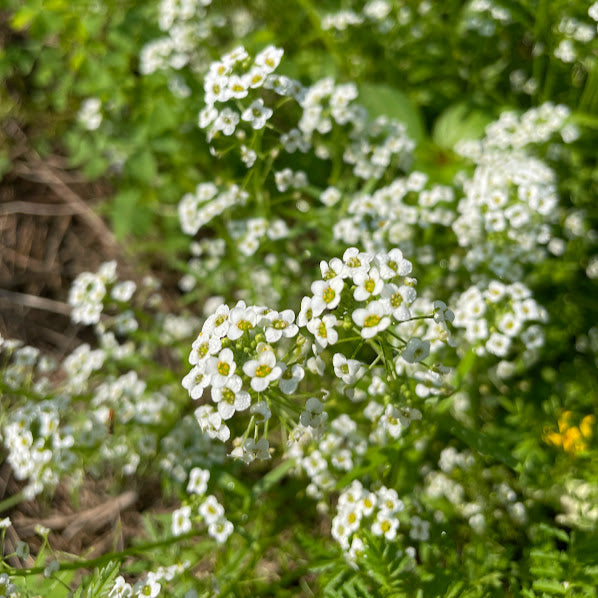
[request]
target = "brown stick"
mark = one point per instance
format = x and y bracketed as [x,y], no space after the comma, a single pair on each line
[89,520]
[38,209]
[34,302]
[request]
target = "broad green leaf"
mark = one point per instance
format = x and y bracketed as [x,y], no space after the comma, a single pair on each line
[128,215]
[459,121]
[383,100]
[142,167]
[273,477]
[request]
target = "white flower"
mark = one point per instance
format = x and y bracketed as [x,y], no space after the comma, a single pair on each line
[393,264]
[211,510]
[420,529]
[306,313]
[388,500]
[220,530]
[280,324]
[211,423]
[221,368]
[368,284]
[314,415]
[386,525]
[391,422]
[181,521]
[251,450]
[257,114]
[197,380]
[241,320]
[120,589]
[237,87]
[372,319]
[510,324]
[397,300]
[357,548]
[198,481]
[148,587]
[348,370]
[323,330]
[262,410]
[262,370]
[90,115]
[290,379]
[230,397]
[442,313]
[356,261]
[327,294]
[226,122]
[123,291]
[207,116]
[330,196]
[269,58]
[498,344]
[416,350]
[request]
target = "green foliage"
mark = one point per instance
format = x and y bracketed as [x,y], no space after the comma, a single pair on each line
[498,482]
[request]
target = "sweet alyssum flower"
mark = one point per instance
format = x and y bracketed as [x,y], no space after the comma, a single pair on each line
[371,319]
[262,370]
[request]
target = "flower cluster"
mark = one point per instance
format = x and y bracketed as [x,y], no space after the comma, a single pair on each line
[251,358]
[573,439]
[457,481]
[39,447]
[361,509]
[206,507]
[236,77]
[150,585]
[495,318]
[510,202]
[179,46]
[386,217]
[89,290]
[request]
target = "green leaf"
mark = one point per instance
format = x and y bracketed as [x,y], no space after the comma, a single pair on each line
[162,118]
[127,215]
[459,121]
[383,100]
[549,585]
[142,167]
[272,477]
[23,18]
[102,581]
[484,444]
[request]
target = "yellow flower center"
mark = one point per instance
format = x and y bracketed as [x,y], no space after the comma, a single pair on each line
[223,368]
[328,295]
[228,395]
[372,321]
[262,370]
[396,299]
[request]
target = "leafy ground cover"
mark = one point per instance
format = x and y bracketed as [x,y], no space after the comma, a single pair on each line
[298,298]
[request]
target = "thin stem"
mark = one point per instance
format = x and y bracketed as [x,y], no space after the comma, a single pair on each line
[11,501]
[100,560]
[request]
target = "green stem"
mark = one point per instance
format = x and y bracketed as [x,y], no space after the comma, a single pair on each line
[11,501]
[101,560]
